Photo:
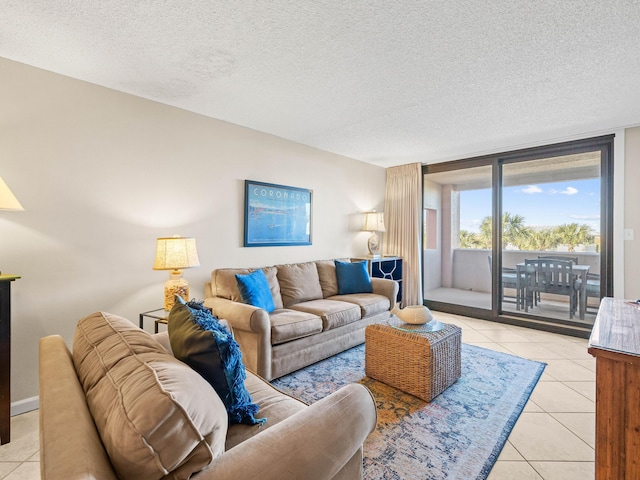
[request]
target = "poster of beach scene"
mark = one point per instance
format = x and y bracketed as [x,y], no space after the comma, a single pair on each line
[276,215]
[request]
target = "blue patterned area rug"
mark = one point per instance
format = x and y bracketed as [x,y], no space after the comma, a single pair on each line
[458,436]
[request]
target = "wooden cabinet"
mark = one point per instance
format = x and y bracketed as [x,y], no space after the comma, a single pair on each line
[385,267]
[615,343]
[5,356]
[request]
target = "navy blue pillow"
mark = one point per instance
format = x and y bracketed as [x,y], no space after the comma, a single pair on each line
[352,277]
[200,341]
[254,290]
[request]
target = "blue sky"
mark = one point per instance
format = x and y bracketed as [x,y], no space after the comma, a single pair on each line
[541,205]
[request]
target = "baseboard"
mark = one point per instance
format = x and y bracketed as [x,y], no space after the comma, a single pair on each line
[24,406]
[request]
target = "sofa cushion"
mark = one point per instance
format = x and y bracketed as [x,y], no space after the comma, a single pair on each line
[369,303]
[352,278]
[289,325]
[224,284]
[274,285]
[333,313]
[155,415]
[254,290]
[274,405]
[198,339]
[299,282]
[327,277]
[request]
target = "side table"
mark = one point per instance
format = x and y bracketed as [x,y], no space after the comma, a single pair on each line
[385,267]
[160,315]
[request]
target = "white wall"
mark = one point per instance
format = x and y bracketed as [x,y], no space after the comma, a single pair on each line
[632,213]
[102,174]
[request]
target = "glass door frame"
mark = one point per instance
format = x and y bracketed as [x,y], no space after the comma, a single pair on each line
[604,144]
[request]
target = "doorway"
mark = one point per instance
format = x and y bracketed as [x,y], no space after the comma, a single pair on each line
[493,227]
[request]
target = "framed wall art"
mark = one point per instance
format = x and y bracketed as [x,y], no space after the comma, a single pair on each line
[276,215]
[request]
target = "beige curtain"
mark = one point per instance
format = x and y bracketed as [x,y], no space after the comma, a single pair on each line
[402,212]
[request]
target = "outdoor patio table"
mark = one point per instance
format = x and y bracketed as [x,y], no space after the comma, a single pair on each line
[579,271]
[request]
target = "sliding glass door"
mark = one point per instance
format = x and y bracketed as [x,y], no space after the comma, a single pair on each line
[523,236]
[457,238]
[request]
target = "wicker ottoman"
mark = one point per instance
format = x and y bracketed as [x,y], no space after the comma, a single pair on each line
[422,364]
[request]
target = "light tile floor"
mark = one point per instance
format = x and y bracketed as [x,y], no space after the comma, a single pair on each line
[553,439]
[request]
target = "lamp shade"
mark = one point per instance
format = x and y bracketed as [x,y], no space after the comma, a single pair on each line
[374,222]
[8,201]
[176,253]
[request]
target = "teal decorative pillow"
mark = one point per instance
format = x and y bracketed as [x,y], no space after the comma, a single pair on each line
[352,277]
[254,290]
[200,341]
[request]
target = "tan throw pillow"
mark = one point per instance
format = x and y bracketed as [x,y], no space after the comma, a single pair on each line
[224,284]
[270,273]
[155,415]
[327,275]
[299,282]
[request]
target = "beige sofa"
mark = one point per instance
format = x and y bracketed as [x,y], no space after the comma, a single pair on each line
[310,322]
[146,415]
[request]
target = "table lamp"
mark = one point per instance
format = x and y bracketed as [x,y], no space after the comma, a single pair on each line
[8,200]
[175,253]
[374,222]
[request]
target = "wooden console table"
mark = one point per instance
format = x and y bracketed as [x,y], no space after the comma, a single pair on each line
[615,343]
[5,357]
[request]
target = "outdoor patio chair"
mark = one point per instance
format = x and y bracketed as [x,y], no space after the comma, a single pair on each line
[510,280]
[557,257]
[593,290]
[555,277]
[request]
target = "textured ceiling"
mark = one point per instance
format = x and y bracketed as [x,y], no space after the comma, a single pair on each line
[386,82]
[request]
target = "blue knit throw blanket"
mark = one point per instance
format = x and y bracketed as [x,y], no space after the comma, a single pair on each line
[237,399]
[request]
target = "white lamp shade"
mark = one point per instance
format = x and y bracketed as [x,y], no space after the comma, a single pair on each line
[8,201]
[176,253]
[374,222]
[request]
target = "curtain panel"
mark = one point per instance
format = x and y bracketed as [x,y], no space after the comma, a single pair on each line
[403,213]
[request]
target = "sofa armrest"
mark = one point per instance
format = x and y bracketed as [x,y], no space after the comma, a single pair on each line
[251,329]
[387,287]
[240,316]
[314,444]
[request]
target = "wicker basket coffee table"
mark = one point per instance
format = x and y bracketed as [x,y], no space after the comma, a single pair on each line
[419,363]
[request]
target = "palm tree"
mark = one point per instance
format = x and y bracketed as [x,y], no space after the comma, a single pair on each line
[468,239]
[485,235]
[573,234]
[513,228]
[540,239]
[514,231]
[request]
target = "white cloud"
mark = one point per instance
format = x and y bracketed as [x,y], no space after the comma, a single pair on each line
[532,189]
[569,191]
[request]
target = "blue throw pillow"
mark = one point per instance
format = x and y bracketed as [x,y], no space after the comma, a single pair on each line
[352,277]
[254,290]
[200,341]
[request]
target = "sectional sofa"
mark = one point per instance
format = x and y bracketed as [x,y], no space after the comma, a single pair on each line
[312,319]
[121,406]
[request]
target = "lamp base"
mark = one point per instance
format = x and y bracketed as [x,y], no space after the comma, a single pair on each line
[176,285]
[374,245]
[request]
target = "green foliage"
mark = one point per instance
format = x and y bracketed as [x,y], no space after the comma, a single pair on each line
[517,235]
